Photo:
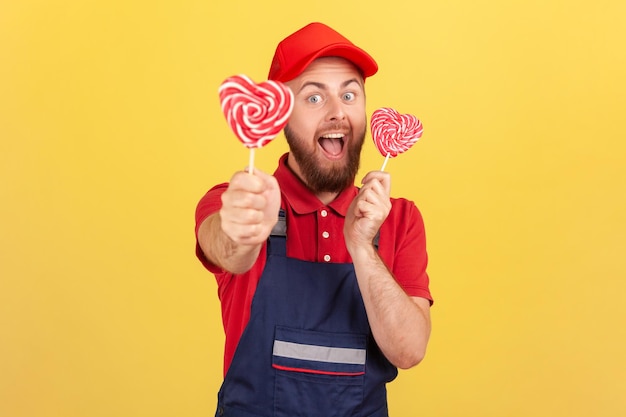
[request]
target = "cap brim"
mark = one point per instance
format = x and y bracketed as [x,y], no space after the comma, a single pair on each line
[361,59]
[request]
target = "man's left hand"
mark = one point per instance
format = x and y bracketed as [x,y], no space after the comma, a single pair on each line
[368,210]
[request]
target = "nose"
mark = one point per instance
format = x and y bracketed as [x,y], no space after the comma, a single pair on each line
[335,110]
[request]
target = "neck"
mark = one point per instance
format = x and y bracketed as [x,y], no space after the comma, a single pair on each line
[326,197]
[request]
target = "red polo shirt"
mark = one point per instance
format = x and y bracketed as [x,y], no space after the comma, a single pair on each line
[316,234]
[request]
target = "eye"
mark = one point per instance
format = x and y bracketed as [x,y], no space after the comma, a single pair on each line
[314,99]
[349,96]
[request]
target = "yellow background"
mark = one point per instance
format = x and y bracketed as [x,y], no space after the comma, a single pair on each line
[110,131]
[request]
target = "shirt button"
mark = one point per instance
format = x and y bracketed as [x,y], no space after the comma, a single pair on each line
[327,258]
[325,235]
[324,213]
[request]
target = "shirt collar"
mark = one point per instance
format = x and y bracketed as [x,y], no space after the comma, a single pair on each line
[302,199]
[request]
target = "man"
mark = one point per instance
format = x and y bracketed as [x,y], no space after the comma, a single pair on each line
[323,285]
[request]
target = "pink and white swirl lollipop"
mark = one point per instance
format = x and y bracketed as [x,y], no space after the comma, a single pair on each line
[255,112]
[394,133]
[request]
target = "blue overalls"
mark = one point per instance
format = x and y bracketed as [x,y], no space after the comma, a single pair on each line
[308,349]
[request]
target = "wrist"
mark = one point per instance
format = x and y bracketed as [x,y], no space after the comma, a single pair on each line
[362,251]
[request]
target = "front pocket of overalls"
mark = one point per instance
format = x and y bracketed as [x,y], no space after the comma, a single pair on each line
[318,373]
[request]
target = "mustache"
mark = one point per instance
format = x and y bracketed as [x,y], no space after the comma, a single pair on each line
[332,127]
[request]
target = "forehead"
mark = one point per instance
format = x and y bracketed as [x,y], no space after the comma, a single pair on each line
[328,70]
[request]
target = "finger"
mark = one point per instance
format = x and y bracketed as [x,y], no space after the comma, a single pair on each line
[383,178]
[245,190]
[246,235]
[244,227]
[244,181]
[374,186]
[375,192]
[264,177]
[242,216]
[372,209]
[238,199]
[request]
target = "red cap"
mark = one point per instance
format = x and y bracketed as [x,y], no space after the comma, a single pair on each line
[316,40]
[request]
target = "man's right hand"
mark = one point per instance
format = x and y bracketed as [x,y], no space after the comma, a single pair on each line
[250,207]
[232,238]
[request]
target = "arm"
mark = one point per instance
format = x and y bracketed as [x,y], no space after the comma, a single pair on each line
[232,237]
[400,323]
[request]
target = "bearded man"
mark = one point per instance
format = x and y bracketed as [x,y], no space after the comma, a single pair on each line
[323,285]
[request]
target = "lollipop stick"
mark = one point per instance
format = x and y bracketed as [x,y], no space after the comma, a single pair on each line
[251,162]
[385,163]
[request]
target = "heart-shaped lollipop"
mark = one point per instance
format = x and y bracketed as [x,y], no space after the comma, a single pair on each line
[394,133]
[255,112]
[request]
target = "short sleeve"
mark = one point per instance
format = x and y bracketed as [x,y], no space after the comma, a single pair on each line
[402,246]
[210,203]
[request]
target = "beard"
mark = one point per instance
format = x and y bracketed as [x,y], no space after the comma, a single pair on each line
[319,179]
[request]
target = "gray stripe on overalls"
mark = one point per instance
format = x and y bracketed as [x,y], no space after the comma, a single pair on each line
[319,353]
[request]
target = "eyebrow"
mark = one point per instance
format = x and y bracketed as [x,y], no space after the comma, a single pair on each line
[322,86]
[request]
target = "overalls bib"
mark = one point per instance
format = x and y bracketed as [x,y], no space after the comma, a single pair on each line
[308,349]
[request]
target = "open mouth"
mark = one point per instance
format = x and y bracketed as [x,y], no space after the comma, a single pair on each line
[332,144]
